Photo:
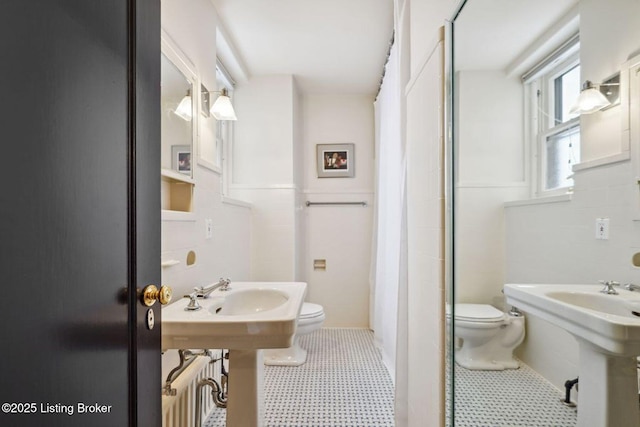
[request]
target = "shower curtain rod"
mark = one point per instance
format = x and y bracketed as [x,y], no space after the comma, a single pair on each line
[363,204]
[384,67]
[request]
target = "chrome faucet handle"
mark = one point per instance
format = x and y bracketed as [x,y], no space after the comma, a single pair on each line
[631,287]
[193,301]
[225,284]
[608,287]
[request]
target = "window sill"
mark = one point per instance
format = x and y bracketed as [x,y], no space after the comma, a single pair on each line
[540,201]
[603,161]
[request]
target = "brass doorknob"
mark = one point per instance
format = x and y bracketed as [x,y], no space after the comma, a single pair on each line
[151,293]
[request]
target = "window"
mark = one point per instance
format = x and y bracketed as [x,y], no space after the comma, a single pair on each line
[552,87]
[224,130]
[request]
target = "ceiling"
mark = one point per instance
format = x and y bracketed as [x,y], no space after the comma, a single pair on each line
[330,46]
[491,34]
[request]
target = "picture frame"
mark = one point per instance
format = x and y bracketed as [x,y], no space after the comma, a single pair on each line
[336,160]
[181,159]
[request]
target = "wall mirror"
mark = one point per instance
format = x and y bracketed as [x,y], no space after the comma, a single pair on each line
[179,96]
[494,43]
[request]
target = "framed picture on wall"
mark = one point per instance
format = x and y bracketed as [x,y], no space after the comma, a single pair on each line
[181,158]
[336,160]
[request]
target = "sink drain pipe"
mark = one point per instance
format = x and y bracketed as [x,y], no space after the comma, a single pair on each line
[215,394]
[568,385]
[218,392]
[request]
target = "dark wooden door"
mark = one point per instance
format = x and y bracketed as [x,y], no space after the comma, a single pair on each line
[79,212]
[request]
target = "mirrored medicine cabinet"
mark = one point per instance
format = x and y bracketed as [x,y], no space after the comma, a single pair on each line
[179,121]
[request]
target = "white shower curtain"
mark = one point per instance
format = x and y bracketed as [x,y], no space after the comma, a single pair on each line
[385,260]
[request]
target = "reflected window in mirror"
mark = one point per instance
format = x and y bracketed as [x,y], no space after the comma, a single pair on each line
[552,88]
[224,128]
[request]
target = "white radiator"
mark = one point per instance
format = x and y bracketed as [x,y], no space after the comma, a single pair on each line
[179,410]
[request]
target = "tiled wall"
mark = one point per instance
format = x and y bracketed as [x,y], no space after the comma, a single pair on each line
[555,243]
[425,173]
[490,165]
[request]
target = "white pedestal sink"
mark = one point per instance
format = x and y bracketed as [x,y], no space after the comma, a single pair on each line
[607,328]
[245,319]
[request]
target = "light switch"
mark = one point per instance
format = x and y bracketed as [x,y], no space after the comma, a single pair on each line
[208,224]
[602,228]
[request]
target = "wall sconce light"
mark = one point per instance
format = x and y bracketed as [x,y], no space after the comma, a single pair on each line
[597,97]
[222,108]
[184,110]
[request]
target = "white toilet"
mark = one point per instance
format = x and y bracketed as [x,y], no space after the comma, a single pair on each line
[310,319]
[488,336]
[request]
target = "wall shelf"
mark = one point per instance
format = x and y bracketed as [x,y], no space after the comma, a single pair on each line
[169,263]
[176,176]
[177,191]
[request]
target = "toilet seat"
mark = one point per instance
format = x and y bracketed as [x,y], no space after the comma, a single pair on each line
[481,313]
[311,311]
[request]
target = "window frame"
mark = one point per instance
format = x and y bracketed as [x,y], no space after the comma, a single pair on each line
[224,129]
[540,93]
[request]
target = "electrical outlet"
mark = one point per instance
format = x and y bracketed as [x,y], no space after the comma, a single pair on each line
[208,225]
[602,228]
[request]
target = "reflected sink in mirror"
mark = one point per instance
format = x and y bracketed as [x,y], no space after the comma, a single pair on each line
[606,321]
[607,328]
[249,316]
[625,306]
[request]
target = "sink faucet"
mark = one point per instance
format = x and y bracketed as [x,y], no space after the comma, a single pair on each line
[204,292]
[631,287]
[608,287]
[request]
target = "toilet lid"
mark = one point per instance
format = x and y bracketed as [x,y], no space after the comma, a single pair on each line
[483,312]
[310,310]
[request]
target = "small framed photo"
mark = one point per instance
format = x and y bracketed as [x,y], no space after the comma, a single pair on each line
[181,158]
[336,160]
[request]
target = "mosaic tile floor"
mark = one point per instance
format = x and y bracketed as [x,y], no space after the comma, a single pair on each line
[509,398]
[344,383]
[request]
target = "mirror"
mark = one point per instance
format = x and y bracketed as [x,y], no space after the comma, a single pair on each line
[494,44]
[179,114]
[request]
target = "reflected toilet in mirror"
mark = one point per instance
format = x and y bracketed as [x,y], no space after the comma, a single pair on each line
[485,337]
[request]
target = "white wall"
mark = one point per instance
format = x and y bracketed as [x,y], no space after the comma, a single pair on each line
[490,144]
[274,164]
[425,223]
[298,181]
[417,28]
[264,172]
[263,146]
[555,242]
[425,17]
[490,155]
[602,53]
[227,253]
[339,234]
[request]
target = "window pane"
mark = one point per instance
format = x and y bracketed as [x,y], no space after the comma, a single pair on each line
[567,89]
[563,151]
